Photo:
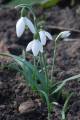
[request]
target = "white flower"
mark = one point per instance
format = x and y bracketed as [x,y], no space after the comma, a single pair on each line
[65,34]
[44,35]
[35,46]
[20,26]
[30,25]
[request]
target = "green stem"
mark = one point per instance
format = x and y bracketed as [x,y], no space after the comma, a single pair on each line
[46,73]
[35,62]
[22,5]
[34,73]
[34,17]
[49,110]
[54,56]
[49,116]
[41,63]
[24,54]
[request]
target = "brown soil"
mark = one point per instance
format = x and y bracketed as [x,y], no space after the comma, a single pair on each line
[13,91]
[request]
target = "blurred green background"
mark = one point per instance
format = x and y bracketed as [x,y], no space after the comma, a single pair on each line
[43,3]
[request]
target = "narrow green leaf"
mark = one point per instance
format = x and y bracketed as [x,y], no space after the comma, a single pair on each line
[49,3]
[65,107]
[59,87]
[45,95]
[29,72]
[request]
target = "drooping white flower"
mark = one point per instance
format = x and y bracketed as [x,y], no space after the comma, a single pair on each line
[20,26]
[30,25]
[65,34]
[44,35]
[35,46]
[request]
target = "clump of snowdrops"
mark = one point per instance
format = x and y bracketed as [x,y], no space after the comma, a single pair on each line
[36,75]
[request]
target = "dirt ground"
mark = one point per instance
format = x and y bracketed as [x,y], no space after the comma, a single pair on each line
[13,91]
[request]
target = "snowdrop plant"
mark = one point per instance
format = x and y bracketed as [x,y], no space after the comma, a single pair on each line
[36,75]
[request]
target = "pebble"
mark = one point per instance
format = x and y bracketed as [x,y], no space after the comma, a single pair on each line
[26,107]
[2,107]
[21,86]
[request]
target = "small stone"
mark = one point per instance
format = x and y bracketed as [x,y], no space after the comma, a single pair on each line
[27,107]
[2,106]
[25,91]
[38,102]
[21,86]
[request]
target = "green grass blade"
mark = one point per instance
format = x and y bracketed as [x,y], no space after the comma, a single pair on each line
[59,87]
[65,107]
[49,3]
[29,72]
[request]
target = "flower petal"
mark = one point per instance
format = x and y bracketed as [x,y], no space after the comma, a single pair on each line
[29,46]
[36,46]
[20,27]
[48,35]
[30,25]
[41,47]
[65,34]
[42,37]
